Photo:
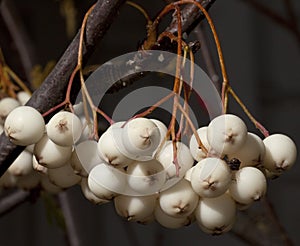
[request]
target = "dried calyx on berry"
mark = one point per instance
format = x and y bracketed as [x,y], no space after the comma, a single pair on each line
[234,163]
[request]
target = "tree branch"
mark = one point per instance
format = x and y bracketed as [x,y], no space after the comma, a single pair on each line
[53,89]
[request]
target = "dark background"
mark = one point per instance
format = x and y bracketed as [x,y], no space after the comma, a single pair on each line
[262,59]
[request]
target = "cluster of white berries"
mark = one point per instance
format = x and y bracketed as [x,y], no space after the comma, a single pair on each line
[132,165]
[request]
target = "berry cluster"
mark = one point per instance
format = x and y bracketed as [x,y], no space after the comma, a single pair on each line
[133,165]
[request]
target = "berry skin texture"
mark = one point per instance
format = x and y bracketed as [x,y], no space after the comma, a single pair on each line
[180,200]
[211,177]
[106,181]
[84,157]
[24,126]
[146,178]
[22,165]
[281,153]
[51,155]
[135,208]
[196,151]
[64,128]
[7,105]
[216,215]
[63,177]
[90,195]
[226,134]
[109,152]
[184,159]
[168,221]
[140,138]
[249,185]
[252,152]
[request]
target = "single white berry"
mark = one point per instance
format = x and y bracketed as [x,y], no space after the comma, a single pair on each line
[106,181]
[24,126]
[166,158]
[64,176]
[281,153]
[90,195]
[64,128]
[216,215]
[249,185]
[146,178]
[23,97]
[196,151]
[211,177]
[51,155]
[180,200]
[252,152]
[7,105]
[140,138]
[109,152]
[135,208]
[22,165]
[169,221]
[226,134]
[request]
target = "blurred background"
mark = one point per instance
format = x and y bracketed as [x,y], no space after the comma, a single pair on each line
[261,45]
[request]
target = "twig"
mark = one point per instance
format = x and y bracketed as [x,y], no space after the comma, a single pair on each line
[72,232]
[211,69]
[191,17]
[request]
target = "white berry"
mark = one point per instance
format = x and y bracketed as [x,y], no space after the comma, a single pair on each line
[249,185]
[211,177]
[281,153]
[24,126]
[216,215]
[226,134]
[64,128]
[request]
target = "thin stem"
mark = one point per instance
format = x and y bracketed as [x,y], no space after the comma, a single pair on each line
[141,9]
[200,144]
[15,77]
[259,126]
[154,106]
[207,58]
[188,89]
[82,31]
